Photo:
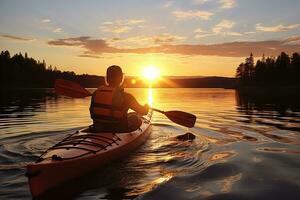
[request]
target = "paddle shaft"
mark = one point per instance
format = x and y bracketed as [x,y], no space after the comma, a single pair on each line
[157,110]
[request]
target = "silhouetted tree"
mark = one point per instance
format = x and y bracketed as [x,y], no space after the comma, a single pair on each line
[22,71]
[245,71]
[295,67]
[240,71]
[282,70]
[249,68]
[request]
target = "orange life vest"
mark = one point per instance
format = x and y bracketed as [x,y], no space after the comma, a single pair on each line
[106,104]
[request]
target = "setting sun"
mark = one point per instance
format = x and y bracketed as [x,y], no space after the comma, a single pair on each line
[150,73]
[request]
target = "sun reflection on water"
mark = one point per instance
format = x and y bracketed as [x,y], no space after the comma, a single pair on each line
[144,188]
[150,96]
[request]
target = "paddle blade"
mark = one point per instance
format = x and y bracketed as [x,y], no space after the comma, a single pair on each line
[70,89]
[182,118]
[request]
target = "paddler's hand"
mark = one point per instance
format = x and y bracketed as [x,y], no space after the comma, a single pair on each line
[146,106]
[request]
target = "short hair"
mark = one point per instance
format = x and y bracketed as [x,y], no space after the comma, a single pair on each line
[114,75]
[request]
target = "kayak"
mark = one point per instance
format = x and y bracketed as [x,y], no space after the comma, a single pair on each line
[80,153]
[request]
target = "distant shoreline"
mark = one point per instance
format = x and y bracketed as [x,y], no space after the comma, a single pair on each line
[44,88]
[22,71]
[290,89]
[265,90]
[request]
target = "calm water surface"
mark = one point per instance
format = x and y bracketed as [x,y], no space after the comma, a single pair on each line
[246,148]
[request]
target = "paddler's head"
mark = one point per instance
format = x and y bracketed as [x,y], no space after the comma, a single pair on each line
[114,76]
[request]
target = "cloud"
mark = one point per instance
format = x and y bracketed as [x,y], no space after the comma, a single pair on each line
[200,33]
[232,33]
[57,30]
[167,38]
[12,37]
[199,30]
[192,14]
[88,56]
[168,4]
[277,28]
[121,26]
[131,42]
[199,36]
[46,20]
[96,47]
[231,49]
[227,3]
[223,28]
[250,32]
[143,40]
[201,1]
[293,40]
[115,28]
[224,25]
[91,46]
[135,21]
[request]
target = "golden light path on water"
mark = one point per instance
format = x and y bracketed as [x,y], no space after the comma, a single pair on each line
[153,181]
[150,96]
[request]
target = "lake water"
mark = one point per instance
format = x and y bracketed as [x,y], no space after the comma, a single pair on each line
[246,147]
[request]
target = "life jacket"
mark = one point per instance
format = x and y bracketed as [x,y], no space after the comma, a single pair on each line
[106,105]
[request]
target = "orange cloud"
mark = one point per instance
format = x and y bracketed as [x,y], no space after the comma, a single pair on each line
[94,47]
[91,46]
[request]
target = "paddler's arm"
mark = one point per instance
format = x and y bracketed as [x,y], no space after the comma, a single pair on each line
[134,105]
[92,103]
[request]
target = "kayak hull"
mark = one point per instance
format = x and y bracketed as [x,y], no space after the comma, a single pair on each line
[81,153]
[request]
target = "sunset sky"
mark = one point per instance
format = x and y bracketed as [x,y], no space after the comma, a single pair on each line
[180,37]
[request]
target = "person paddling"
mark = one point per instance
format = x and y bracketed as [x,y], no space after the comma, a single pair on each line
[110,104]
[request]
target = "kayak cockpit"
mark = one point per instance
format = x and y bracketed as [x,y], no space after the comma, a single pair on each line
[79,144]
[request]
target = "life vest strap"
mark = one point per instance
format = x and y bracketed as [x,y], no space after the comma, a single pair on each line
[105,90]
[102,105]
[104,118]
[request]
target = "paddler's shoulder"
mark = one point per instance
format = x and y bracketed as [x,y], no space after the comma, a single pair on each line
[106,87]
[129,97]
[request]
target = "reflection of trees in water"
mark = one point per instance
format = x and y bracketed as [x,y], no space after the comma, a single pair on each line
[22,101]
[248,102]
[260,107]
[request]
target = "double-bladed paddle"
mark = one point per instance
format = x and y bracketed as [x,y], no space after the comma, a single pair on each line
[72,89]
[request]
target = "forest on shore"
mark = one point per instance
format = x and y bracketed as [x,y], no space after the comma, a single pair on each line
[273,72]
[22,71]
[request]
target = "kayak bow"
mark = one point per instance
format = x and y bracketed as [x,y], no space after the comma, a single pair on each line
[80,153]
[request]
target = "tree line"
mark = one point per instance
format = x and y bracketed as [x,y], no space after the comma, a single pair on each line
[270,71]
[21,71]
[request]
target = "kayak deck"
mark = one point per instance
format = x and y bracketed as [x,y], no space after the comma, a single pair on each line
[81,143]
[80,153]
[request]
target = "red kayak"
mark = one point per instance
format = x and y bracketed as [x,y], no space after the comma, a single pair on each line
[80,153]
